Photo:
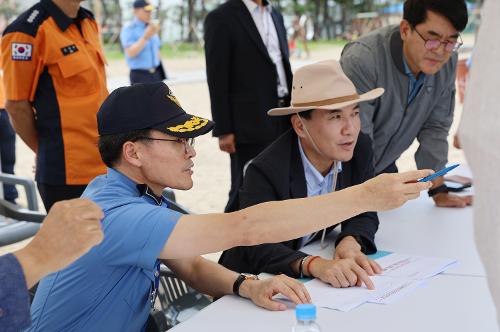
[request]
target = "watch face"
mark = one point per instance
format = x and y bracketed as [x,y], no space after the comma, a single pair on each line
[250,276]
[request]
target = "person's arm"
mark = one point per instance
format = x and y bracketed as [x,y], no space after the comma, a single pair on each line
[23,121]
[272,258]
[432,152]
[214,279]
[136,47]
[279,221]
[357,62]
[70,229]
[20,76]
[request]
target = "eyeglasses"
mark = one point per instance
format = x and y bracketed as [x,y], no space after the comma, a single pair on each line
[434,44]
[188,142]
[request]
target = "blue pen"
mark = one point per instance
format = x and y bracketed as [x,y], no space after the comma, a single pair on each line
[439,173]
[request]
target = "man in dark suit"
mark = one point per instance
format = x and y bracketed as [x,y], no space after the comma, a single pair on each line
[248,73]
[321,152]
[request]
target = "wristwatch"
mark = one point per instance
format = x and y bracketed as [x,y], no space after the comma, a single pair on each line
[440,189]
[242,277]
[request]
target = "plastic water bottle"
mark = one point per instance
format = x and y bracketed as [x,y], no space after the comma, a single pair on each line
[306,318]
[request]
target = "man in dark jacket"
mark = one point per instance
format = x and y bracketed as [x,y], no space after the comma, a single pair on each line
[248,73]
[321,153]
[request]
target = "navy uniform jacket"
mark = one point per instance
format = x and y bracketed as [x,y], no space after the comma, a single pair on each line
[277,174]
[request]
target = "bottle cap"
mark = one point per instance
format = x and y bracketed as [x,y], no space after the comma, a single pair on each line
[305,311]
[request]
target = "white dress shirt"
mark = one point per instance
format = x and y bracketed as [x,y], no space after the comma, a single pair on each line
[265,25]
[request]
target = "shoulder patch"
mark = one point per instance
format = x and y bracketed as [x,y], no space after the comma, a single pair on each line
[21,51]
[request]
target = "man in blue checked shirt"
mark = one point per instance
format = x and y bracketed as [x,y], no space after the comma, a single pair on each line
[141,43]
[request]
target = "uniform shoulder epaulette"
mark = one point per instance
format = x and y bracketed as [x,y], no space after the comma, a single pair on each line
[29,21]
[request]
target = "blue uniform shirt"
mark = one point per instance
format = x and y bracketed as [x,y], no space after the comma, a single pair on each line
[108,288]
[148,57]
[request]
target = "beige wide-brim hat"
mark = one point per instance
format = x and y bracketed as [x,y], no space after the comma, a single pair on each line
[323,85]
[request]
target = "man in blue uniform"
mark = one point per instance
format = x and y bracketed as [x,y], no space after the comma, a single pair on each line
[141,43]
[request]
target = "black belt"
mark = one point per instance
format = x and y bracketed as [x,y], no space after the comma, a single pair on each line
[150,70]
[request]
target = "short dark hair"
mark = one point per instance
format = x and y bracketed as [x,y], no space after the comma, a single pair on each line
[415,11]
[110,146]
[306,114]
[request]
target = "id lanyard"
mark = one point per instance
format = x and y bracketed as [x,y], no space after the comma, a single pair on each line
[323,245]
[154,285]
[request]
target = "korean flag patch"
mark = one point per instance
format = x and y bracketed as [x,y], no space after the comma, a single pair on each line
[21,51]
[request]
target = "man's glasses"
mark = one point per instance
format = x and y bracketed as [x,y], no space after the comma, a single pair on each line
[434,44]
[188,142]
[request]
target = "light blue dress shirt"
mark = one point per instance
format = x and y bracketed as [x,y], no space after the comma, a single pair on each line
[108,288]
[148,57]
[317,184]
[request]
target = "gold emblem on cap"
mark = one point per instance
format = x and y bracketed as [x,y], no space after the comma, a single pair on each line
[192,124]
[172,98]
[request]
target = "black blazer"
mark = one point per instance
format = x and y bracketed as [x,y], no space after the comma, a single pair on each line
[277,174]
[242,78]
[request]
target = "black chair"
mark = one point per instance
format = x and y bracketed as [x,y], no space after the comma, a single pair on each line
[16,222]
[176,299]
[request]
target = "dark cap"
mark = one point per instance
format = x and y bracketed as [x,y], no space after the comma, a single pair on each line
[143,4]
[148,106]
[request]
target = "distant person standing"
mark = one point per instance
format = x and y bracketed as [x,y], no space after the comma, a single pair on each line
[299,33]
[7,147]
[53,66]
[141,43]
[248,73]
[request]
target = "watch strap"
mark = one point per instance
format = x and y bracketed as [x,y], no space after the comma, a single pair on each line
[242,277]
[440,189]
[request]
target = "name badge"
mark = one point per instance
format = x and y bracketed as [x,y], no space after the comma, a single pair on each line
[70,49]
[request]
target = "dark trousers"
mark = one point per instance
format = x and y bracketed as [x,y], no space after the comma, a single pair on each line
[7,153]
[145,76]
[53,193]
[243,154]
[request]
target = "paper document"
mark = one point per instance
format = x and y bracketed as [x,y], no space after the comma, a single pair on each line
[343,299]
[413,267]
[398,288]
[402,274]
[386,290]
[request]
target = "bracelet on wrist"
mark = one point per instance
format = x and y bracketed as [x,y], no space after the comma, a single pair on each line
[309,265]
[301,266]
